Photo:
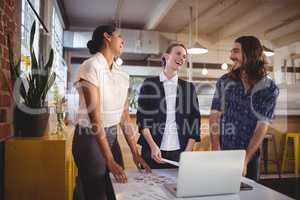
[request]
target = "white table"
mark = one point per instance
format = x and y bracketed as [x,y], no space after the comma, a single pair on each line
[150,187]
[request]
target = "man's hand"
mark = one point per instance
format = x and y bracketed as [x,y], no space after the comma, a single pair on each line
[214,129]
[117,171]
[140,162]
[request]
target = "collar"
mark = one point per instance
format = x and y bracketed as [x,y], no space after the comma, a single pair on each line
[103,60]
[163,78]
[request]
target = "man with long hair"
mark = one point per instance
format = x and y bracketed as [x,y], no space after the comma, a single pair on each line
[243,104]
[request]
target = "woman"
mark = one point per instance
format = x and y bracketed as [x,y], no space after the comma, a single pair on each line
[168,112]
[102,88]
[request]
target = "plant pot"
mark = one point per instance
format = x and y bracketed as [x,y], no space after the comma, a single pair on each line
[29,124]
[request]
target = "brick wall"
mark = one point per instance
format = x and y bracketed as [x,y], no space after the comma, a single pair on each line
[10,18]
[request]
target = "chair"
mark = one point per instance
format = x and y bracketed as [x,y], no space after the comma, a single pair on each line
[295,137]
[270,137]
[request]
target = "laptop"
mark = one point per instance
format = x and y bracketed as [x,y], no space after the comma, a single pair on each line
[209,173]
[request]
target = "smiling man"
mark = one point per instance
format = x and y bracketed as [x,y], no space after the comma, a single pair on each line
[243,104]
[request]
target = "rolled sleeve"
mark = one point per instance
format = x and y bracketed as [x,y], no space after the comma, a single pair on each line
[265,103]
[89,72]
[216,101]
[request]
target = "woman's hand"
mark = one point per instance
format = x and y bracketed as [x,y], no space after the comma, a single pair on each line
[141,163]
[117,171]
[156,154]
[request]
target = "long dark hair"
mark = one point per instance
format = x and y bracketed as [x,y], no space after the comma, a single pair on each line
[97,41]
[254,60]
[169,49]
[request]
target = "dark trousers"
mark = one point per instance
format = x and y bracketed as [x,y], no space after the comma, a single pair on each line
[93,177]
[170,155]
[253,168]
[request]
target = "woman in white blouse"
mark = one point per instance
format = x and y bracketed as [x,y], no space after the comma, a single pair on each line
[102,88]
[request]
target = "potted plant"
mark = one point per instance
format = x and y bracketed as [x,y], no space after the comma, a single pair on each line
[31,115]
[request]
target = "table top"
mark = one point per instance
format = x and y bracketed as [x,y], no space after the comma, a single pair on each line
[142,186]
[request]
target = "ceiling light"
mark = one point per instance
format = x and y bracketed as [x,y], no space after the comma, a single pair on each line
[119,61]
[268,52]
[224,66]
[197,49]
[204,71]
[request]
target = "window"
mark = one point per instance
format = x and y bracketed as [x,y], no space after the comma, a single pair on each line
[57,35]
[59,65]
[28,17]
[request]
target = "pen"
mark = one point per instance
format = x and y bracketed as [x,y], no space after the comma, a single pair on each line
[170,162]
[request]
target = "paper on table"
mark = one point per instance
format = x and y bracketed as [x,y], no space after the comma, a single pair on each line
[170,162]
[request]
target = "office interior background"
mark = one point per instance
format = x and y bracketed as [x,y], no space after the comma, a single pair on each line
[147,27]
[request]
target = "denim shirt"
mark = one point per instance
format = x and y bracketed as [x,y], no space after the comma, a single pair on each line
[242,110]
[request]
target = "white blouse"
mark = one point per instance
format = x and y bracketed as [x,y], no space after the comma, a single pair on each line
[170,140]
[113,89]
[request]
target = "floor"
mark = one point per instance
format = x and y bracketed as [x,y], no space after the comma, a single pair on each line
[288,184]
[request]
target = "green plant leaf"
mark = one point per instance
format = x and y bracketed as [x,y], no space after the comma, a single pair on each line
[50,60]
[50,82]
[23,92]
[14,68]
[32,33]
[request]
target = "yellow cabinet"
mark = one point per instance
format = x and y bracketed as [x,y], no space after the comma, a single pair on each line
[39,169]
